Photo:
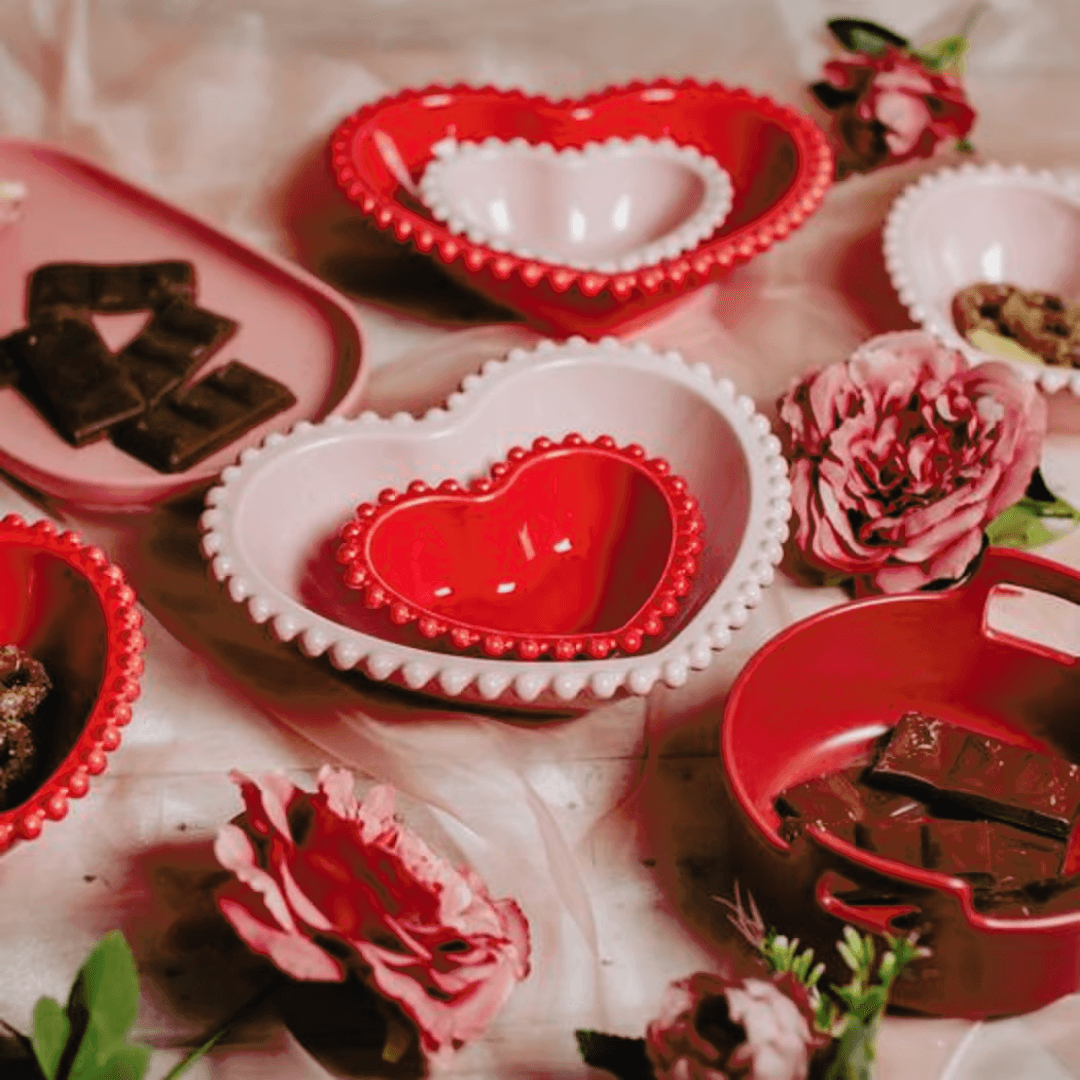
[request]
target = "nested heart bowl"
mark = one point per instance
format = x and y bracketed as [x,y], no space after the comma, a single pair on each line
[993,223]
[815,699]
[586,548]
[778,161]
[611,206]
[68,607]
[272,525]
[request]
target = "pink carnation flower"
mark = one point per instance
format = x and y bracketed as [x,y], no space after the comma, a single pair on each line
[325,885]
[719,1027]
[902,455]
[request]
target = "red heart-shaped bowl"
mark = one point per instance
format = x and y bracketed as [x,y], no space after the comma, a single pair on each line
[778,159]
[566,549]
[66,605]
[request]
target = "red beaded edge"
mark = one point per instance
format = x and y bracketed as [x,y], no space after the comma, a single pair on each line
[361,574]
[813,178]
[119,684]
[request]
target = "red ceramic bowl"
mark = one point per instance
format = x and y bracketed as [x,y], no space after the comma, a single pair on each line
[815,698]
[569,549]
[778,160]
[66,605]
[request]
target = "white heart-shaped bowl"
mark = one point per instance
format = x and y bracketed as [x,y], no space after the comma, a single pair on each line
[271,525]
[612,206]
[993,223]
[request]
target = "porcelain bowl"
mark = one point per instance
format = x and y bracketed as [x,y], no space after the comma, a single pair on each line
[777,159]
[992,223]
[611,206]
[272,524]
[66,605]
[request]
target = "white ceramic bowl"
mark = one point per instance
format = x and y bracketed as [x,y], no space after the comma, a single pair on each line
[994,223]
[272,523]
[612,206]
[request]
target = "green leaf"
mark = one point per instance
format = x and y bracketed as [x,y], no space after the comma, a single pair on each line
[859,35]
[947,54]
[965,146]
[856,1051]
[128,1061]
[50,1035]
[1021,525]
[626,1058]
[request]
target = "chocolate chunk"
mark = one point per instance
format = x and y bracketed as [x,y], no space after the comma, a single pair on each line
[9,369]
[179,337]
[23,684]
[190,425]
[109,288]
[16,753]
[69,374]
[1001,782]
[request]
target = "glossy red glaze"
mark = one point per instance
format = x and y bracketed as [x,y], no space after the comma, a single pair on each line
[814,699]
[568,549]
[778,159]
[66,604]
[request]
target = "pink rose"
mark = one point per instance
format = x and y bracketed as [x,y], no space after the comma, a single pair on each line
[718,1027]
[902,455]
[326,885]
[890,107]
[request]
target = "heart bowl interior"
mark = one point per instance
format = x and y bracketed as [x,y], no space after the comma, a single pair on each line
[569,548]
[65,605]
[777,159]
[984,223]
[283,566]
[611,206]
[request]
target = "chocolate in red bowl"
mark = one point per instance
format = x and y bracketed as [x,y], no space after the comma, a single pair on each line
[66,605]
[817,697]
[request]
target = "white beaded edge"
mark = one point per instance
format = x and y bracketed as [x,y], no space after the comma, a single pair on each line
[714,209]
[752,570]
[1049,379]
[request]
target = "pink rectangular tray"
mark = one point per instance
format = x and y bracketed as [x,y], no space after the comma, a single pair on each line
[292,326]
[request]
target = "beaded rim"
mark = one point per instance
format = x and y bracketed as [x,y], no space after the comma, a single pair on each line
[119,684]
[362,572]
[904,278]
[703,222]
[577,683]
[708,259]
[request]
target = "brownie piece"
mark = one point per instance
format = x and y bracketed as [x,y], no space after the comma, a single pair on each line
[68,373]
[192,424]
[107,288]
[179,337]
[993,779]
[23,686]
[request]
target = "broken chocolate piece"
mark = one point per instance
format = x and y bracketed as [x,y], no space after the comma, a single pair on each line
[9,370]
[1002,782]
[73,379]
[107,288]
[179,337]
[23,684]
[190,425]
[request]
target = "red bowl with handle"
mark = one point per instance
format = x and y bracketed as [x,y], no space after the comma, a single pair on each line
[814,700]
[66,605]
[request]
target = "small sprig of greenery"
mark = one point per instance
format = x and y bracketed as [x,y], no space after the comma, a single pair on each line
[852,1013]
[88,1037]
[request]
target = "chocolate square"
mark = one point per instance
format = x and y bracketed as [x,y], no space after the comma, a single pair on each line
[71,377]
[177,340]
[9,369]
[190,425]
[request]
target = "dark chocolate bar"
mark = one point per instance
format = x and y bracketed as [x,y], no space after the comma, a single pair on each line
[179,337]
[998,781]
[107,288]
[190,425]
[71,377]
[990,853]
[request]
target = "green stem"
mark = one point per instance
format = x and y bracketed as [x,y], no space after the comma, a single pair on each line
[972,18]
[212,1040]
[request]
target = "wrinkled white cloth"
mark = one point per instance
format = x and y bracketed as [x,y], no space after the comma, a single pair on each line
[604,826]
